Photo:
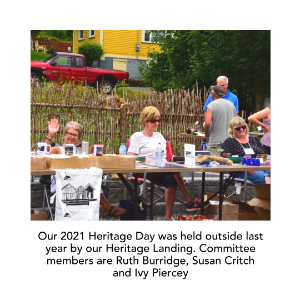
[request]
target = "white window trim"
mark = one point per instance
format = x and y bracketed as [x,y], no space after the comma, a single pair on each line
[90,34]
[148,42]
[80,39]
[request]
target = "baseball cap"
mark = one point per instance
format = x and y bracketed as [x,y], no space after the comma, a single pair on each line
[218,90]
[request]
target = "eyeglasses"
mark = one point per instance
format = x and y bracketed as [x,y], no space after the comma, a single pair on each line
[153,121]
[240,127]
[72,135]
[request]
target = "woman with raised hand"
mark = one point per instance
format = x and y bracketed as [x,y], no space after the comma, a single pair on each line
[72,134]
[145,143]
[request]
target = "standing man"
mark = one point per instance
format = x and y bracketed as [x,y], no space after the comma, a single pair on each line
[219,113]
[223,82]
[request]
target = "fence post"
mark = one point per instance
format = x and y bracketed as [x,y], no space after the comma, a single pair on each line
[122,123]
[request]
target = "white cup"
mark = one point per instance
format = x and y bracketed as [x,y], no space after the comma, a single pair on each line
[42,148]
[70,149]
[98,148]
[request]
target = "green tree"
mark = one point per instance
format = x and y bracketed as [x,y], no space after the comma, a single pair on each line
[187,55]
[91,52]
[34,33]
[62,35]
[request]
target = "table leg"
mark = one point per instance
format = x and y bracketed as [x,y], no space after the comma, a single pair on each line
[127,185]
[45,192]
[203,192]
[221,195]
[151,195]
[245,187]
[135,199]
[193,183]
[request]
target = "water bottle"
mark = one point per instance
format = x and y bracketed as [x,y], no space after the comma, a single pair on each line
[122,149]
[158,153]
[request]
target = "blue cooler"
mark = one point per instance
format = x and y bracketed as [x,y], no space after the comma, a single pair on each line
[202,152]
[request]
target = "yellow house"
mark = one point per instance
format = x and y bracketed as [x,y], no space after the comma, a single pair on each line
[123,49]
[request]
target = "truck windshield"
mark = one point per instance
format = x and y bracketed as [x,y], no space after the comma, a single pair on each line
[50,57]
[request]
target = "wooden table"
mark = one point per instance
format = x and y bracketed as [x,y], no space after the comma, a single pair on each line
[121,172]
[43,172]
[233,170]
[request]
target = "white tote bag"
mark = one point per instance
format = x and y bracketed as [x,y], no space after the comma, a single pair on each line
[78,194]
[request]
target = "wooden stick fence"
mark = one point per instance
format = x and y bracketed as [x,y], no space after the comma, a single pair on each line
[111,120]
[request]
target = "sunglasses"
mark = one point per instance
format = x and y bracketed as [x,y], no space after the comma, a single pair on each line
[240,127]
[71,134]
[153,121]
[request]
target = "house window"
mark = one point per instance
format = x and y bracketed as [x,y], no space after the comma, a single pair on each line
[92,33]
[147,35]
[80,35]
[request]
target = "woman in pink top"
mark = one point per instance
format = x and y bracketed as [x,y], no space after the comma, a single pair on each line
[264,115]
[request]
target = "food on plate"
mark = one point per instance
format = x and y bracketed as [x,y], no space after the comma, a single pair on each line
[201,158]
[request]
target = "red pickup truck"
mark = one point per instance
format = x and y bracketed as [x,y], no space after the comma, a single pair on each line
[71,66]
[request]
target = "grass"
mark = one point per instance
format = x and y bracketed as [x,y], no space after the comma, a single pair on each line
[38,56]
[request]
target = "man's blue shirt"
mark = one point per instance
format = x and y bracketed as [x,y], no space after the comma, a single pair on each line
[229,96]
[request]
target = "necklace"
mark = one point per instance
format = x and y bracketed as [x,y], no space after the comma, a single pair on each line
[145,133]
[244,143]
[244,139]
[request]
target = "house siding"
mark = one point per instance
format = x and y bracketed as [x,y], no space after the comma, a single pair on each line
[86,38]
[120,44]
[123,42]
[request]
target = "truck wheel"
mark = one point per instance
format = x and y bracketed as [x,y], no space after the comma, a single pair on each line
[107,87]
[35,76]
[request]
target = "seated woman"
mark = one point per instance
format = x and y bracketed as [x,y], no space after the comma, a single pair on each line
[241,144]
[144,143]
[264,115]
[72,135]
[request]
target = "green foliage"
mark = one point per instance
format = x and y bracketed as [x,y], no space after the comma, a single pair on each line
[52,50]
[120,87]
[91,51]
[38,56]
[57,35]
[34,33]
[203,55]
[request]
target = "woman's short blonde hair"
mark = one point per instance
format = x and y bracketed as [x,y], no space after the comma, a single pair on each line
[236,122]
[77,126]
[150,113]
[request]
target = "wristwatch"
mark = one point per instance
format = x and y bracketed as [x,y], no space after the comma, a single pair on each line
[52,140]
